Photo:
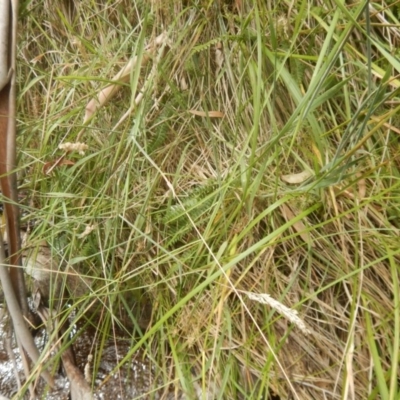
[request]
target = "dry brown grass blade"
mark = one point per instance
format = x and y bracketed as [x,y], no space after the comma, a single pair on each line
[122,77]
[210,114]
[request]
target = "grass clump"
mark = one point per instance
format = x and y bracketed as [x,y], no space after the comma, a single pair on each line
[247,170]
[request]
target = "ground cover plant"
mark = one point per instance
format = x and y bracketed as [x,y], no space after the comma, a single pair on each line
[240,179]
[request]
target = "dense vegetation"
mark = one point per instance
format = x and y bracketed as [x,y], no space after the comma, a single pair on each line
[245,170]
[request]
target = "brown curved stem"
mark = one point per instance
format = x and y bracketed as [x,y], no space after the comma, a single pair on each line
[11,273]
[9,191]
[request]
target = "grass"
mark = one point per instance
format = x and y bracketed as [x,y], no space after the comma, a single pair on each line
[293,193]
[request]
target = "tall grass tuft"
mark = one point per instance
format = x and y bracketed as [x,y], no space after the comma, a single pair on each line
[255,155]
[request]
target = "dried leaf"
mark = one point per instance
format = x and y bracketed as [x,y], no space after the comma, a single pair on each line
[219,56]
[297,178]
[298,226]
[183,84]
[362,189]
[50,165]
[210,114]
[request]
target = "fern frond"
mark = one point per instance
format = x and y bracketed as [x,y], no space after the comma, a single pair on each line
[178,218]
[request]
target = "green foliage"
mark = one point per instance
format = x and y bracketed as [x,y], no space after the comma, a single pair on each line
[198,211]
[161,132]
[192,210]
